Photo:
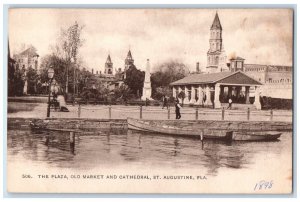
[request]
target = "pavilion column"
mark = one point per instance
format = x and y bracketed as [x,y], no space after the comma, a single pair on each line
[208,100]
[193,98]
[221,97]
[247,92]
[257,101]
[238,91]
[179,90]
[200,96]
[229,91]
[174,92]
[186,98]
[217,95]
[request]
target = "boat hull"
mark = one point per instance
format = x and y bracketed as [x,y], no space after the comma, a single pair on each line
[154,126]
[256,136]
[162,127]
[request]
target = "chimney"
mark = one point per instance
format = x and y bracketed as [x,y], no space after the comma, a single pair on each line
[197,67]
[92,71]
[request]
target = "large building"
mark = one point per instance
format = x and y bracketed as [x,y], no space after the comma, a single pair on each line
[277,79]
[111,79]
[235,80]
[25,60]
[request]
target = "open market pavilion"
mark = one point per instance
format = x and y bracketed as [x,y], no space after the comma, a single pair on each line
[212,89]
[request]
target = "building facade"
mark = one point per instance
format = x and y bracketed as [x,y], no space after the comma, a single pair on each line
[25,60]
[277,80]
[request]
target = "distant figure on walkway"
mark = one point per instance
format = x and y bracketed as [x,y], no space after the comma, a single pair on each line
[62,103]
[177,110]
[165,102]
[229,103]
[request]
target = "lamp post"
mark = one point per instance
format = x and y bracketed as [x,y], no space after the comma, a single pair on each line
[50,76]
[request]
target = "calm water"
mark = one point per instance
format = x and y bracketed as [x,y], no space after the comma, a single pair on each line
[118,148]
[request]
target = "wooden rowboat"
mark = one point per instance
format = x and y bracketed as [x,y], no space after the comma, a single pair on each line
[207,131]
[162,128]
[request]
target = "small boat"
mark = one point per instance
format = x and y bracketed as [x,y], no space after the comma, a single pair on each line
[162,128]
[191,129]
[256,136]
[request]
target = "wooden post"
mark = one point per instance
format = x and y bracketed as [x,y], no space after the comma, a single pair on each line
[141,112]
[197,114]
[168,113]
[109,111]
[248,114]
[202,138]
[79,110]
[72,142]
[72,137]
[223,113]
[271,115]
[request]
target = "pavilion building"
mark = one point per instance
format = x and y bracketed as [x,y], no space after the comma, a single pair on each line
[216,88]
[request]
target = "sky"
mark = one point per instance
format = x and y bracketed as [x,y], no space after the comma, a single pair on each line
[261,36]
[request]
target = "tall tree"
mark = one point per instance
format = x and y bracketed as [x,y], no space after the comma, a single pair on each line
[32,79]
[135,80]
[58,64]
[164,74]
[67,48]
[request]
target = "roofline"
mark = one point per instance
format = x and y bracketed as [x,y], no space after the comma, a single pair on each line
[215,81]
[270,65]
[241,73]
[171,84]
[251,77]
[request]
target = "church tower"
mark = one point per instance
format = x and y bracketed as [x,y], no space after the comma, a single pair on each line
[128,62]
[108,67]
[216,57]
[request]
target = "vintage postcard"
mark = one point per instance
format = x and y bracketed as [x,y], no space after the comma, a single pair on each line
[150,100]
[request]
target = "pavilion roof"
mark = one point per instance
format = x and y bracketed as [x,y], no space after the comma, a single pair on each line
[220,77]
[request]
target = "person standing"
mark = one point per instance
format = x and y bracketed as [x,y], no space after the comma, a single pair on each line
[229,103]
[177,110]
[165,102]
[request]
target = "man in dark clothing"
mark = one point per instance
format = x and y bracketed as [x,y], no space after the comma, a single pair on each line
[177,110]
[165,102]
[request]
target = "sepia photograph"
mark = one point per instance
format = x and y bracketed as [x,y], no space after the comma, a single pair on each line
[150,100]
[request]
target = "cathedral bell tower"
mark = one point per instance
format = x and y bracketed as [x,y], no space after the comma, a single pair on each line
[216,57]
[108,71]
[128,62]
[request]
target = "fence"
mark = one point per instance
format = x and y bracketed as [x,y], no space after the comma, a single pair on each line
[142,112]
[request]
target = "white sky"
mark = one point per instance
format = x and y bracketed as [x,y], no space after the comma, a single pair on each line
[261,36]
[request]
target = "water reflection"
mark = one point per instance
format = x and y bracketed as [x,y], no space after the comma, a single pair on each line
[119,147]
